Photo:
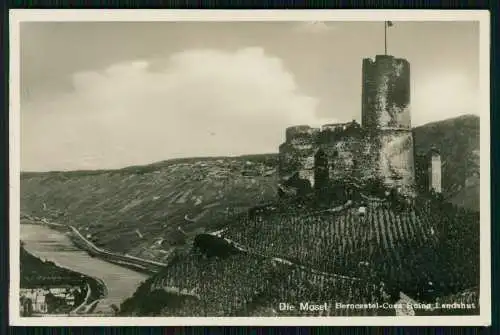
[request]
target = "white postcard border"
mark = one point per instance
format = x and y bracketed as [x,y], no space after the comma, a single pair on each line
[21,15]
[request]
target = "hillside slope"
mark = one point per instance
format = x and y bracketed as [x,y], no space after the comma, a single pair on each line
[138,210]
[426,251]
[240,285]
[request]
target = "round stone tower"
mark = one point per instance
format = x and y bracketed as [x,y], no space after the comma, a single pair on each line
[386,116]
[386,93]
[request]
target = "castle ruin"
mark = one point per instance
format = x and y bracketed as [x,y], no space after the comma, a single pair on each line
[381,148]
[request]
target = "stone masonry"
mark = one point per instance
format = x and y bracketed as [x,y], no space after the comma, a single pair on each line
[380,148]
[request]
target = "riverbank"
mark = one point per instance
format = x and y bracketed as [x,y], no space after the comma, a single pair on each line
[134,263]
[52,289]
[57,246]
[147,266]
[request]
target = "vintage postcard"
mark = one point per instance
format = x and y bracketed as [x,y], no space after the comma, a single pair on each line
[249,167]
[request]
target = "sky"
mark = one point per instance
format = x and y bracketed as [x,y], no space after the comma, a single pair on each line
[105,95]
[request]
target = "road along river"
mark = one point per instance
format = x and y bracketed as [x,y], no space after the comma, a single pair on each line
[49,244]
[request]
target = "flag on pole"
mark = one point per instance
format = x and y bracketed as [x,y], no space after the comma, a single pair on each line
[387,24]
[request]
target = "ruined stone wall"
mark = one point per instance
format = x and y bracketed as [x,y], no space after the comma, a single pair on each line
[396,165]
[350,155]
[386,93]
[297,153]
[353,152]
[386,155]
[338,127]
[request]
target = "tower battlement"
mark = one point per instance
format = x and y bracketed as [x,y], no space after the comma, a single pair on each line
[301,134]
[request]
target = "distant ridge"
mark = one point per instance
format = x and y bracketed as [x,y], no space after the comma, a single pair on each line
[152,166]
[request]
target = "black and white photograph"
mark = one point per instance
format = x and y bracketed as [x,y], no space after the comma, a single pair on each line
[249,167]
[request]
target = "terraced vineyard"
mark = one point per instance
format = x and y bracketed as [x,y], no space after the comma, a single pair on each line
[242,283]
[338,242]
[296,285]
[223,286]
[426,250]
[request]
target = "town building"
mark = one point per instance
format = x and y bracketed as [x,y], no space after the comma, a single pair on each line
[34,300]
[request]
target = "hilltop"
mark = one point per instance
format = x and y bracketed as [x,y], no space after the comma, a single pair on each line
[149,210]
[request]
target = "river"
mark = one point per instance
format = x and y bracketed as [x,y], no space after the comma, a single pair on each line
[48,244]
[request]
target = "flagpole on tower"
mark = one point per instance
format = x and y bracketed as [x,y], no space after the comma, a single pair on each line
[385,38]
[386,25]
